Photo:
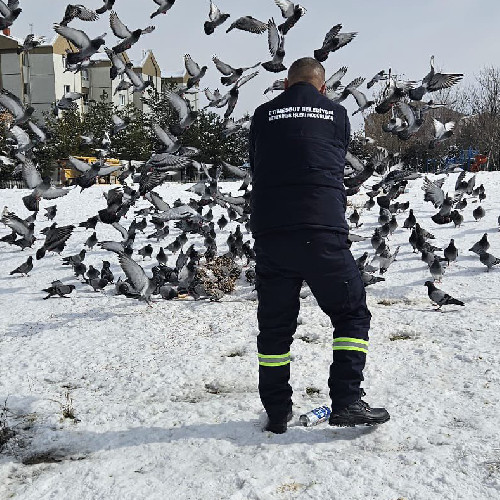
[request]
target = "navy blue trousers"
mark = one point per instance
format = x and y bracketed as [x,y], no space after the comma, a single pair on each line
[323,259]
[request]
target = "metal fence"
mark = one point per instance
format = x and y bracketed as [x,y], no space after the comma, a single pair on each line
[19,184]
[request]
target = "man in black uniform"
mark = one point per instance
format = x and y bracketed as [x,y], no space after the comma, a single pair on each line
[298,143]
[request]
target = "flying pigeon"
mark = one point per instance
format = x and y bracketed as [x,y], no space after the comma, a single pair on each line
[55,240]
[108,5]
[334,40]
[439,297]
[277,85]
[291,12]
[231,75]
[81,40]
[381,75]
[15,107]
[78,11]
[433,82]
[276,48]
[186,117]
[250,24]
[442,131]
[195,72]
[10,13]
[163,7]
[30,42]
[121,31]
[216,19]
[135,274]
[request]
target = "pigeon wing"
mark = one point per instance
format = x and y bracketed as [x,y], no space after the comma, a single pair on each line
[407,113]
[438,128]
[79,165]
[134,272]
[76,37]
[178,103]
[245,79]
[433,193]
[163,136]
[333,82]
[11,102]
[286,6]
[158,202]
[52,193]
[443,81]
[119,29]
[31,175]
[4,10]
[214,13]
[273,37]
[359,96]
[332,34]
[85,14]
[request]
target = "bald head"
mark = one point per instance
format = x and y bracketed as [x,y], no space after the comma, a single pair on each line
[307,70]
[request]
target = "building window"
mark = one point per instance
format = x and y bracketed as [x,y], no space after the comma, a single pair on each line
[150,78]
[85,98]
[67,89]
[122,100]
[26,89]
[85,74]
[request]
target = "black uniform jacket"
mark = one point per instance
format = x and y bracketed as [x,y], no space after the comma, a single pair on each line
[298,143]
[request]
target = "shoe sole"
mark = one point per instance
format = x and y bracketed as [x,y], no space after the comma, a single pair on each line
[357,421]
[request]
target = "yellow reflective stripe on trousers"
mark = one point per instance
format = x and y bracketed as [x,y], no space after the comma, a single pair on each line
[274,359]
[350,344]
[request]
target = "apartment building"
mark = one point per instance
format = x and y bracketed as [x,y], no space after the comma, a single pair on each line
[39,77]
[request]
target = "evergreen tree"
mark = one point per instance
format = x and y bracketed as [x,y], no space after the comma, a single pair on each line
[135,142]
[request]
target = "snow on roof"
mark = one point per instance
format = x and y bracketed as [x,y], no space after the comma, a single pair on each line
[173,74]
[99,56]
[140,63]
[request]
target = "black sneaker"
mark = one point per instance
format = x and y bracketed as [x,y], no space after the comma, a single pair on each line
[359,413]
[278,426]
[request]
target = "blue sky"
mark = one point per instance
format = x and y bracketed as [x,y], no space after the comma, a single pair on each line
[462,34]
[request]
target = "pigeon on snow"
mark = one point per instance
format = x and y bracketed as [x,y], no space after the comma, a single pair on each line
[439,297]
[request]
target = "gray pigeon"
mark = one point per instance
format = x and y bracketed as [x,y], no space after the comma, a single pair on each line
[488,260]
[370,279]
[91,241]
[481,246]
[250,24]
[451,252]
[216,19]
[291,12]
[164,7]
[24,268]
[478,213]
[58,288]
[386,259]
[135,274]
[334,40]
[436,269]
[276,43]
[439,297]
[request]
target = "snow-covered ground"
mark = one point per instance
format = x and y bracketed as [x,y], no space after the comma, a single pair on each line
[166,397]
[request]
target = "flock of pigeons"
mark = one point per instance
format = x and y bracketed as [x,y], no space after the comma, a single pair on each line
[403,100]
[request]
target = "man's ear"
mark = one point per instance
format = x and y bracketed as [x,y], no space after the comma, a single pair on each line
[323,89]
[287,84]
